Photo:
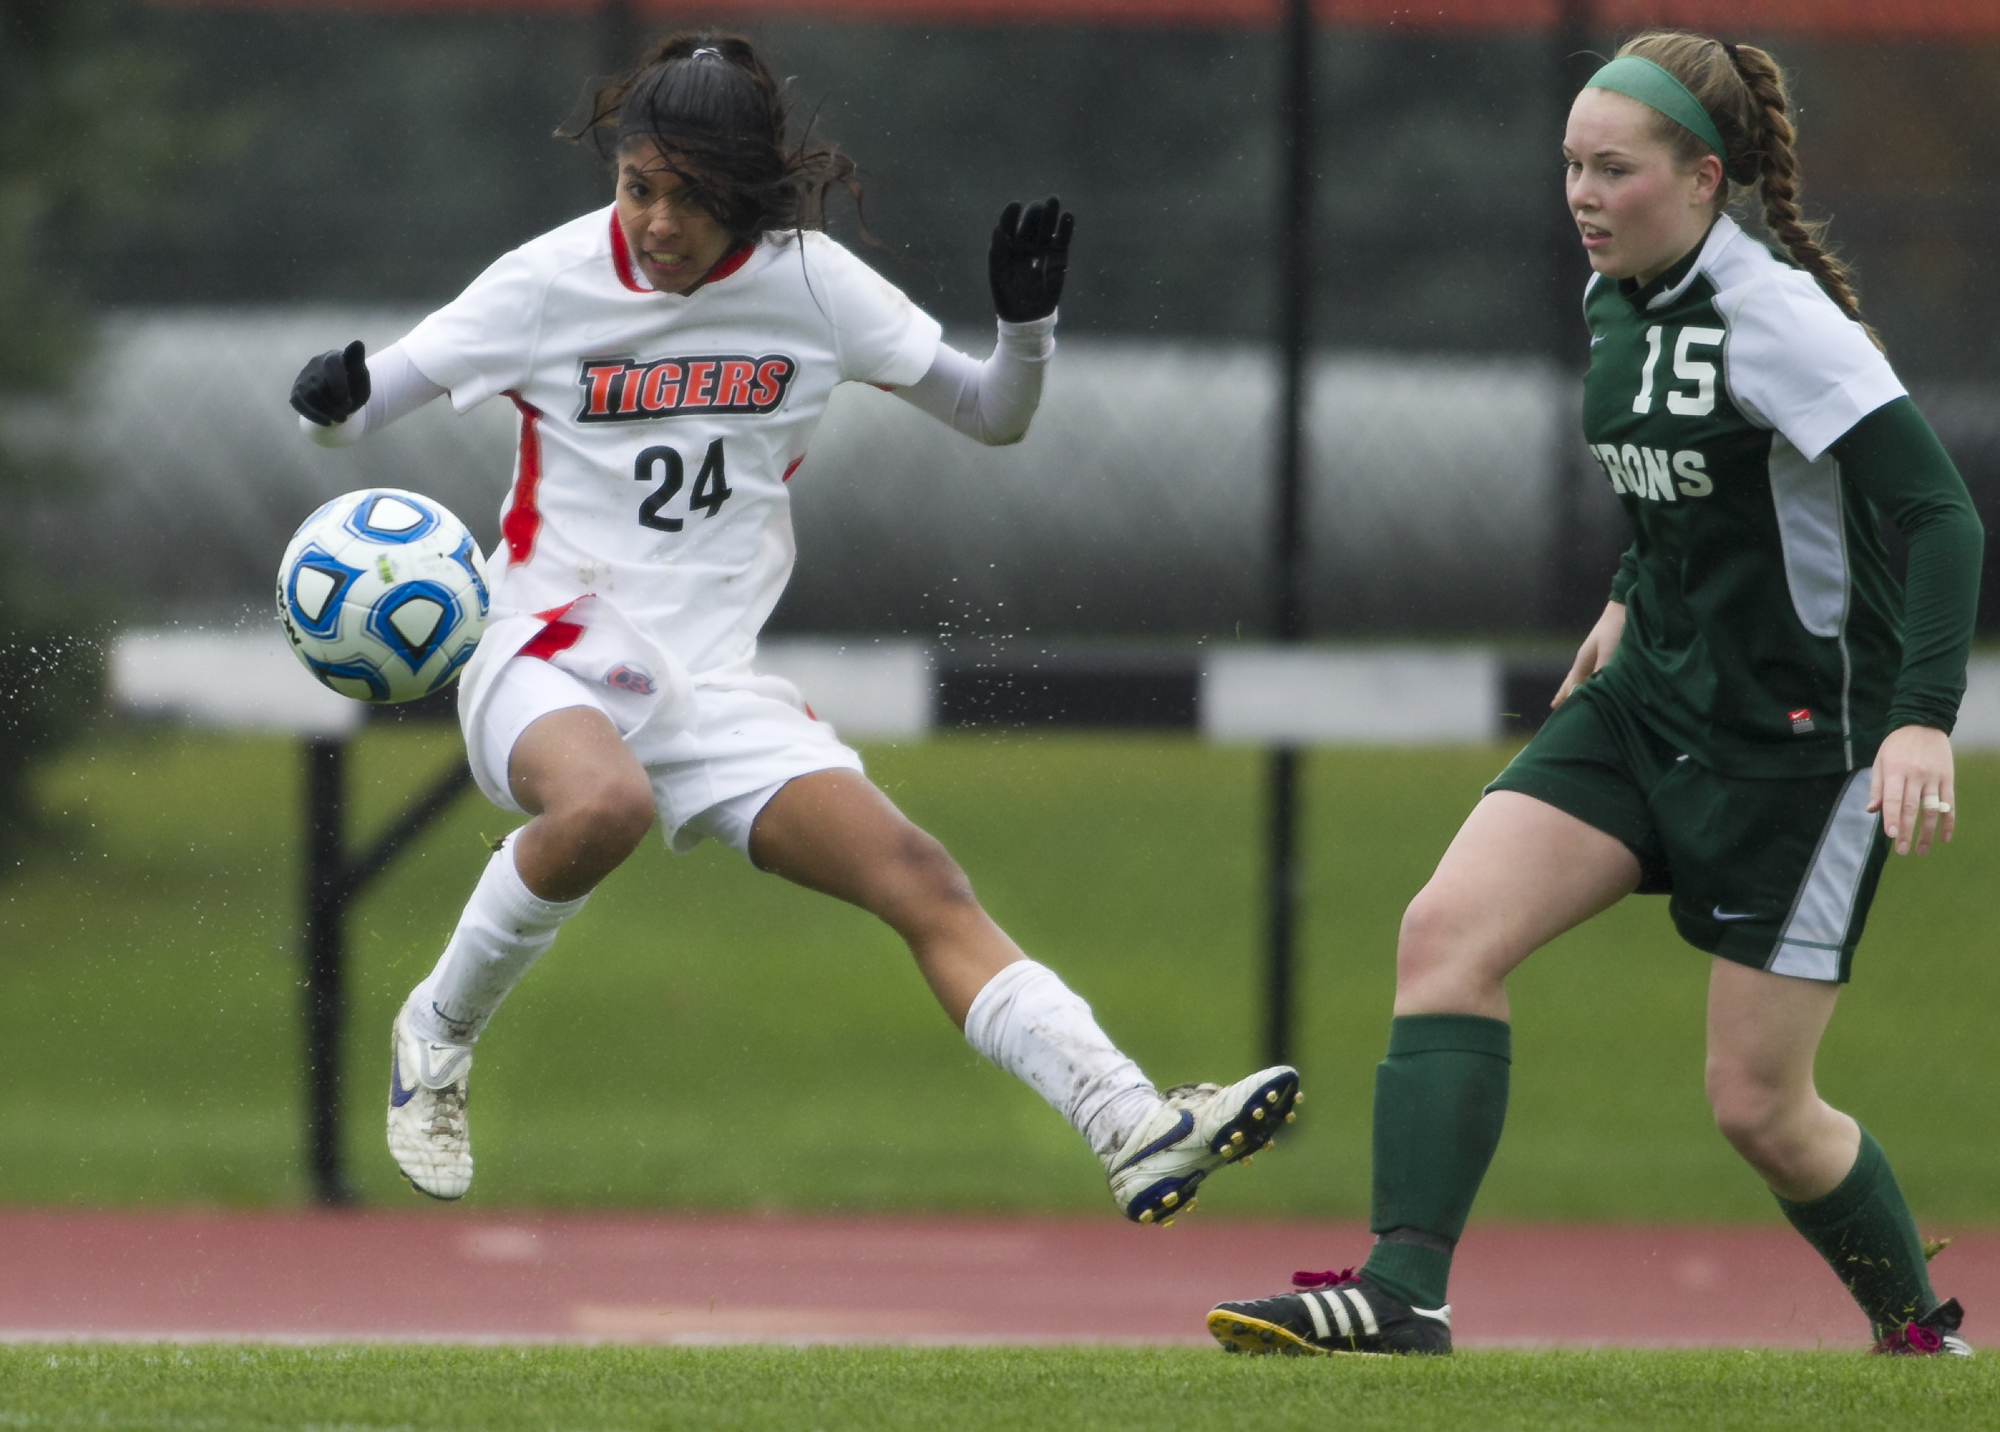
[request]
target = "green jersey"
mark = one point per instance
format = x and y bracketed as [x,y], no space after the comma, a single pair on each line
[1763,632]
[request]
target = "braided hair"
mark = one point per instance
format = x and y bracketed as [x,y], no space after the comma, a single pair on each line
[1744,92]
[720,120]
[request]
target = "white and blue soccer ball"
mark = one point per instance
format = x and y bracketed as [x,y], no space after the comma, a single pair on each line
[383,595]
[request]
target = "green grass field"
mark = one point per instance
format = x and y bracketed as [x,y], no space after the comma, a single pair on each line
[218,1389]
[149,993]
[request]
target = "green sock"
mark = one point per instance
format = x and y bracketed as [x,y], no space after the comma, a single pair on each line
[1440,1100]
[1864,1230]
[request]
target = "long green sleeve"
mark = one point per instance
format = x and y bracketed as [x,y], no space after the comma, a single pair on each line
[1626,575]
[1894,458]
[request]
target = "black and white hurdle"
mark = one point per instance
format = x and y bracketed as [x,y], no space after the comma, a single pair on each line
[1275,697]
[249,681]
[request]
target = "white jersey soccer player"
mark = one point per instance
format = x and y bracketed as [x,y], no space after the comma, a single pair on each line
[659,430]
[648,533]
[670,358]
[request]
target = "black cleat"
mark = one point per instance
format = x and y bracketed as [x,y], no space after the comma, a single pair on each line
[1331,1313]
[1935,1334]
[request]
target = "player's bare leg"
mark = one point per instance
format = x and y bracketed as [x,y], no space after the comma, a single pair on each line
[1763,1031]
[1831,1179]
[589,797]
[591,805]
[1519,873]
[835,832]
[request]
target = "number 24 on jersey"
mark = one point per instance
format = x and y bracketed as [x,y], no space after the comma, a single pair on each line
[665,466]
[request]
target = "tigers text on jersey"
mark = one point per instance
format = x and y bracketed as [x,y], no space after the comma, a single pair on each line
[658,430]
[1762,631]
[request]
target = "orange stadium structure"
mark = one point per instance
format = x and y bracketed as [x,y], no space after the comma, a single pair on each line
[1904,19]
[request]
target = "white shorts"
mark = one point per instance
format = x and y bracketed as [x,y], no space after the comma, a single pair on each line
[709,780]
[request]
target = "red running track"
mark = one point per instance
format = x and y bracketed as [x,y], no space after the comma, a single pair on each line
[445,1277]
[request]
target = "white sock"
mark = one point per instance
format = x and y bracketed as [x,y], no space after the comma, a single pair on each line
[506,927]
[1036,1028]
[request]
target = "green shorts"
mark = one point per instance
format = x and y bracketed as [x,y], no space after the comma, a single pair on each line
[1774,874]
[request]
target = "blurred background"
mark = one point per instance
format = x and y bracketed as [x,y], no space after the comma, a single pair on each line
[195,197]
[209,192]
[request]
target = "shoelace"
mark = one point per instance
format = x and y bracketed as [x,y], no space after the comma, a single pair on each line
[450,1107]
[1328,1279]
[1914,1336]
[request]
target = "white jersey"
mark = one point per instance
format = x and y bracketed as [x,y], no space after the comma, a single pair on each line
[658,430]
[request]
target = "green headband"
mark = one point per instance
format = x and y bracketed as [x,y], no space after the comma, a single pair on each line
[1653,87]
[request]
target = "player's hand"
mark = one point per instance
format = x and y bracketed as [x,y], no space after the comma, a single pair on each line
[1911,786]
[334,386]
[1029,256]
[1595,651]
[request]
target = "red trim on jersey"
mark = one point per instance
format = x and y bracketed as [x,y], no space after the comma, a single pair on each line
[557,635]
[523,522]
[621,257]
[728,264]
[628,273]
[793,468]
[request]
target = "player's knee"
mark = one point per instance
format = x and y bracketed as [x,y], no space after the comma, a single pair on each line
[1436,941]
[927,875]
[1748,1112]
[931,867]
[606,815]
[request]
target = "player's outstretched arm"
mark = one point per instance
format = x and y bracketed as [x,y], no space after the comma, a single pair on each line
[343,393]
[994,402]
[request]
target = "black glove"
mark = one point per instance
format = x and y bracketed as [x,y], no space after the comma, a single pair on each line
[334,386]
[1029,257]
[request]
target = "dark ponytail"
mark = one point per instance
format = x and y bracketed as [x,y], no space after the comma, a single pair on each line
[719,117]
[1744,92]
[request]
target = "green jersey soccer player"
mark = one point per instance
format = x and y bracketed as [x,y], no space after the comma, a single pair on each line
[1759,714]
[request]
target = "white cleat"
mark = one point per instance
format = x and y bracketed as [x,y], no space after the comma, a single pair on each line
[428,1135]
[1196,1130]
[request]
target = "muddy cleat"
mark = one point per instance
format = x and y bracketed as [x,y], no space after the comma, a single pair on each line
[428,1134]
[1331,1313]
[1197,1129]
[1935,1334]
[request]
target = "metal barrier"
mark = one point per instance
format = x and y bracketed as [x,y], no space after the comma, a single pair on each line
[1288,699]
[248,680]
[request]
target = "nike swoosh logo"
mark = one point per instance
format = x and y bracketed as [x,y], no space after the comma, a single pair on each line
[1165,1141]
[436,1076]
[398,1095]
[1718,913]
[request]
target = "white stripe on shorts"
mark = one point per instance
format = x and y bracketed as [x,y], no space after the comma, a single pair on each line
[1809,947]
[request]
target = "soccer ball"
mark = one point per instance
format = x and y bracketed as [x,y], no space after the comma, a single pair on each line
[383,595]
